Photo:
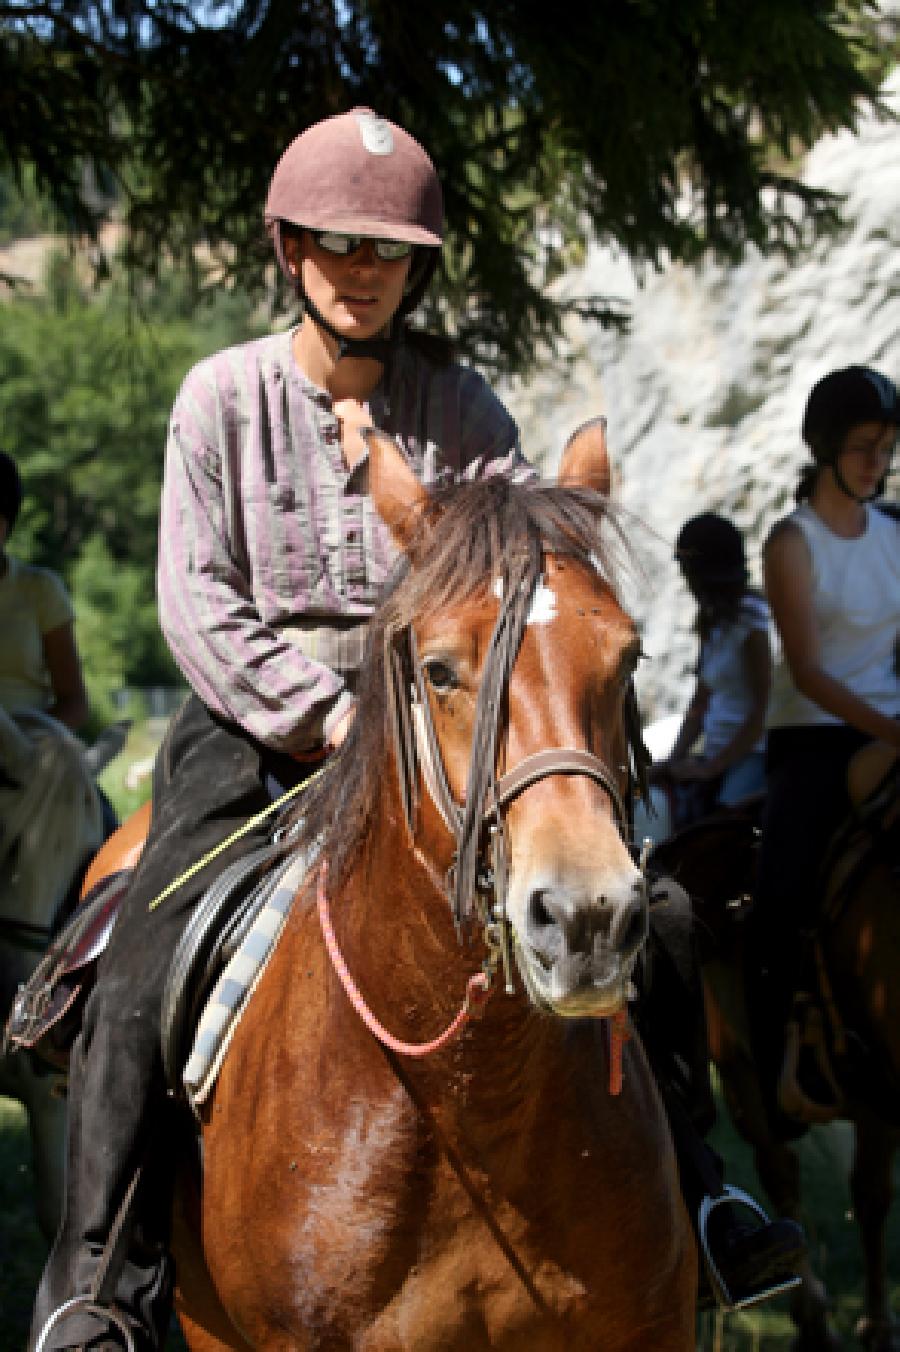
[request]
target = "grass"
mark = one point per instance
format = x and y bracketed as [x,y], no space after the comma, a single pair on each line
[143,739]
[825,1155]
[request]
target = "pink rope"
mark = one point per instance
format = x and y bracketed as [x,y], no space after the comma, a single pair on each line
[478,991]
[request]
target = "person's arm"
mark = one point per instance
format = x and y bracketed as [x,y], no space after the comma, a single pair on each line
[70,703]
[756,655]
[788,582]
[678,761]
[691,728]
[240,667]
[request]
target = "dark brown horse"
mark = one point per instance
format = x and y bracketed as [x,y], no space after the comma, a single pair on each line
[858,961]
[499,1192]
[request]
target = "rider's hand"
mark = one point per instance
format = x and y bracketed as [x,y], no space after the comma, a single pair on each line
[340,730]
[658,772]
[692,769]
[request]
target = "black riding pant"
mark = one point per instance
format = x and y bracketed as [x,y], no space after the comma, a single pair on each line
[806,801]
[209,779]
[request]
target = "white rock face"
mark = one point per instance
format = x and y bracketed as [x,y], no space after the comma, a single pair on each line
[705,396]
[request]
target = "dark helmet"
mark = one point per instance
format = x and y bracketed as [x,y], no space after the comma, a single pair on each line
[10,489]
[710,549]
[359,174]
[841,401]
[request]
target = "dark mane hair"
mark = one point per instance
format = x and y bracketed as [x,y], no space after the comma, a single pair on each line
[478,534]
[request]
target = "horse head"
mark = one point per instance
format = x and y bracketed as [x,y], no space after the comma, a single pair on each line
[510,661]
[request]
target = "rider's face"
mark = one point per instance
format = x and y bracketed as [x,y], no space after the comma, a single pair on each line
[866,456]
[357,294]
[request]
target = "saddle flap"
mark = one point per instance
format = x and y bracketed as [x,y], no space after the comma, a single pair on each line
[46,1013]
[91,936]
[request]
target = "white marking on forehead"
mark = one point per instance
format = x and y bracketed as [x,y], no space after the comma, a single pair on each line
[543,602]
[376,134]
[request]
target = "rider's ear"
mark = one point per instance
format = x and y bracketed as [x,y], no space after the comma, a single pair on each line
[585,459]
[398,496]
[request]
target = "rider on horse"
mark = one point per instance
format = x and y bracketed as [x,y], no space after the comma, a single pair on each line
[271,559]
[734,671]
[832,573]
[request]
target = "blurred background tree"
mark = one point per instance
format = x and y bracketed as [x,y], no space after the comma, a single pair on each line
[666,129]
[669,128]
[89,374]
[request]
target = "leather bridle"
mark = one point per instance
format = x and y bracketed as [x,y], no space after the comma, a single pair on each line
[476,883]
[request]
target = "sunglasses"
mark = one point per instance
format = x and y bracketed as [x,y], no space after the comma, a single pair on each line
[388,250]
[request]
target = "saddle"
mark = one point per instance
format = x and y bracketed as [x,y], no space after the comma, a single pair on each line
[48,1009]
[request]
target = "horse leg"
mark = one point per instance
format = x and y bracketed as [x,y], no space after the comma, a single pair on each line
[47,1125]
[778,1169]
[46,1113]
[871,1190]
[204,1323]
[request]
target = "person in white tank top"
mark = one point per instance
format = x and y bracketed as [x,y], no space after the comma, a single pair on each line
[832,577]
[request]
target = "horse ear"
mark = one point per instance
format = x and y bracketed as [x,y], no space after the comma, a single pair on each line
[585,459]
[398,496]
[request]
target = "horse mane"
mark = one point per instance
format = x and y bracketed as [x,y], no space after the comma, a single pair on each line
[476,533]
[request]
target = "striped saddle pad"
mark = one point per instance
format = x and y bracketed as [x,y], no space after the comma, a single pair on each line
[262,918]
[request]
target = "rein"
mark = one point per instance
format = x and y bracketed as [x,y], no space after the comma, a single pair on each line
[478,991]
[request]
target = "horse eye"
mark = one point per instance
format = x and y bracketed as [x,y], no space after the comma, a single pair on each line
[441,676]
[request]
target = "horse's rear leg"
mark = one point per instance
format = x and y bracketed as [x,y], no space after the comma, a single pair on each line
[871,1190]
[778,1167]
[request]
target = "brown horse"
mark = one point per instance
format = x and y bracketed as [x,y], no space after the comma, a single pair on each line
[506,1190]
[858,959]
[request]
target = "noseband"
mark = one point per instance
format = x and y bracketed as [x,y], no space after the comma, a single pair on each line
[477,884]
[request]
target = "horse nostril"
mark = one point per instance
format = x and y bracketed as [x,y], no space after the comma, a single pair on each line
[538,915]
[630,930]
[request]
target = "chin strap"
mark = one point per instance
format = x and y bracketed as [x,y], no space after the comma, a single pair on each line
[845,487]
[379,349]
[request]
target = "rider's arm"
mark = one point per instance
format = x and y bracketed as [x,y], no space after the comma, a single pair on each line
[756,656]
[242,668]
[789,587]
[70,704]
[692,725]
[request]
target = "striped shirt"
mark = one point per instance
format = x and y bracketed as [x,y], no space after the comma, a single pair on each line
[271,553]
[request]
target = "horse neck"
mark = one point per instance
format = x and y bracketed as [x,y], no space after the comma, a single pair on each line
[398,939]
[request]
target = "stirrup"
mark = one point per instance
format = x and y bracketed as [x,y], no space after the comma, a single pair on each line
[89,1306]
[717,1281]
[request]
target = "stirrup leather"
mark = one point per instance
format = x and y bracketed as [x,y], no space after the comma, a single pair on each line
[719,1285]
[88,1305]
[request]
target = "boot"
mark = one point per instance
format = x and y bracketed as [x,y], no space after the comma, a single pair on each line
[747,1257]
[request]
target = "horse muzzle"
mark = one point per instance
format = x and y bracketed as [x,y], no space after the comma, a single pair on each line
[576,952]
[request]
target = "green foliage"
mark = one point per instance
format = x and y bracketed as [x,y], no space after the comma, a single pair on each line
[23,210]
[670,128]
[88,378]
